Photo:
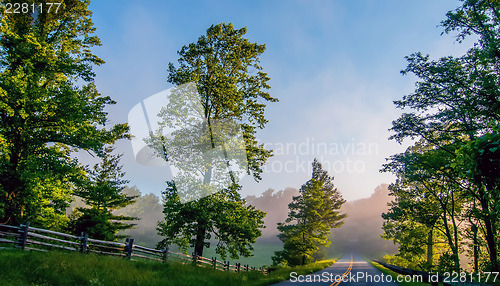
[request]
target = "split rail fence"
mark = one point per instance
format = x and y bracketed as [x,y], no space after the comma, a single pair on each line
[26,237]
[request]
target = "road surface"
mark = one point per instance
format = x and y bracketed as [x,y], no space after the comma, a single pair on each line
[352,269]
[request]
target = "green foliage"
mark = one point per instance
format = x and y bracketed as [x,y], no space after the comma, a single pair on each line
[453,114]
[282,272]
[102,192]
[49,107]
[231,88]
[426,205]
[312,216]
[395,275]
[222,216]
[225,67]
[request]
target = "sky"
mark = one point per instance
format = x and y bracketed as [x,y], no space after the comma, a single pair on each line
[334,66]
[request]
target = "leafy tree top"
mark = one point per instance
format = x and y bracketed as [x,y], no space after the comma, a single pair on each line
[231,84]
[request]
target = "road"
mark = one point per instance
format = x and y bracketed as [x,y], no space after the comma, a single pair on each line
[354,269]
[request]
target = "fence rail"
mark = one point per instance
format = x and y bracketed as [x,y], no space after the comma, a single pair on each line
[31,238]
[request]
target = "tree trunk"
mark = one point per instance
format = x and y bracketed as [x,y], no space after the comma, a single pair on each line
[450,240]
[15,193]
[476,248]
[303,255]
[456,256]
[430,243]
[200,240]
[490,234]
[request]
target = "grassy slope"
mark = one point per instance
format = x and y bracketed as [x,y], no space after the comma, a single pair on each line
[394,275]
[261,255]
[58,268]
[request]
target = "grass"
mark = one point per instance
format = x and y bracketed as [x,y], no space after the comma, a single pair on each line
[282,274]
[64,268]
[261,254]
[394,275]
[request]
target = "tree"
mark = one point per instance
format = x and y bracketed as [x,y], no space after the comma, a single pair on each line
[455,107]
[313,214]
[102,192]
[222,216]
[227,101]
[49,107]
[426,202]
[225,68]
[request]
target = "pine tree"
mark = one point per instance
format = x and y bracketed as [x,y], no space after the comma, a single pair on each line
[102,192]
[313,213]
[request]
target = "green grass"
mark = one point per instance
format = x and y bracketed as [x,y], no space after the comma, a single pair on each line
[65,268]
[262,254]
[394,275]
[282,274]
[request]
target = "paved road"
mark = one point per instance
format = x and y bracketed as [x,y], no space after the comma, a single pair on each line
[354,269]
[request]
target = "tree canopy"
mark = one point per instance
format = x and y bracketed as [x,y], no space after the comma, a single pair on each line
[228,103]
[454,116]
[49,107]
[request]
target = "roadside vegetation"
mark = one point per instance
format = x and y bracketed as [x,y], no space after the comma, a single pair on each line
[394,275]
[59,268]
[447,188]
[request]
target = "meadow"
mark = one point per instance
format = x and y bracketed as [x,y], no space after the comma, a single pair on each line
[63,268]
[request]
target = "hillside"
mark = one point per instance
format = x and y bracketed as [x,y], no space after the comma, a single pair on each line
[361,230]
[363,226]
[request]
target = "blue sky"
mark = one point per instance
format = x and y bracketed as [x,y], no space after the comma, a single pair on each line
[334,65]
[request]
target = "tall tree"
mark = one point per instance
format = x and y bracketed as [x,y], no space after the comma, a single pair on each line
[49,107]
[425,200]
[313,214]
[229,99]
[455,109]
[102,193]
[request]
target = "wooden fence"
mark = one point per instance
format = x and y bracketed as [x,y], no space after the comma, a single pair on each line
[31,238]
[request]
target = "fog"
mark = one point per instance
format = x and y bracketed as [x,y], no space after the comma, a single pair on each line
[363,226]
[275,204]
[361,229]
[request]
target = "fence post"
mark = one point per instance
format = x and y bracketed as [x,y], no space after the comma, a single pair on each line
[238,265]
[165,254]
[129,243]
[195,258]
[246,268]
[83,242]
[23,234]
[226,266]
[214,262]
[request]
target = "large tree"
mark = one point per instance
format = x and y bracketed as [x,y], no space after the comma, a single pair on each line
[228,101]
[427,204]
[455,109]
[49,107]
[312,215]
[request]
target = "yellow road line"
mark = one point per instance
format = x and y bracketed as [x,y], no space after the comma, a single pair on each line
[343,275]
